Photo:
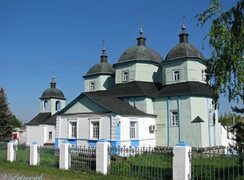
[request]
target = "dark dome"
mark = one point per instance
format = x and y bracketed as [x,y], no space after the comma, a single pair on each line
[101,68]
[182,50]
[140,52]
[52,92]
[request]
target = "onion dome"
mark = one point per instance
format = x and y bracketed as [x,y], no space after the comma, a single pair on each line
[140,52]
[102,68]
[52,92]
[184,49]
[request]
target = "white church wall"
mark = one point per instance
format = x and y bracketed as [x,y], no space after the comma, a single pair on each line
[35,134]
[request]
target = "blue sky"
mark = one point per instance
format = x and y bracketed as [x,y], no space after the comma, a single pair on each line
[41,38]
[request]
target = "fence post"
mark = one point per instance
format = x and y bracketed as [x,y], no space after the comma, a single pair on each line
[102,160]
[11,154]
[34,154]
[181,162]
[64,155]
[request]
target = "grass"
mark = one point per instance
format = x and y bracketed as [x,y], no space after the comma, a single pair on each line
[48,167]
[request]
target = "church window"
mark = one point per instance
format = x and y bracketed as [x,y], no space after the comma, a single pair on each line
[133,129]
[73,129]
[95,129]
[50,135]
[92,86]
[176,75]
[203,73]
[45,105]
[174,118]
[58,105]
[125,76]
[211,117]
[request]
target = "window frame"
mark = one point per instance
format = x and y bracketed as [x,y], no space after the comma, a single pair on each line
[45,105]
[50,134]
[174,121]
[203,74]
[92,85]
[133,130]
[125,78]
[174,75]
[98,131]
[71,133]
[58,105]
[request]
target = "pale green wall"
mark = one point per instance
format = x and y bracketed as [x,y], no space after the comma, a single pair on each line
[138,72]
[102,82]
[85,105]
[160,109]
[194,72]
[131,67]
[189,71]
[141,103]
[146,72]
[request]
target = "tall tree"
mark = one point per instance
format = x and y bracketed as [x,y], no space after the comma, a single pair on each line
[226,37]
[225,69]
[5,127]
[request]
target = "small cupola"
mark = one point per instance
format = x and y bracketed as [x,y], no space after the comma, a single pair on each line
[100,76]
[184,49]
[140,52]
[53,91]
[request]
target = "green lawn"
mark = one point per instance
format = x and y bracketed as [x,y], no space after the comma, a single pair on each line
[48,167]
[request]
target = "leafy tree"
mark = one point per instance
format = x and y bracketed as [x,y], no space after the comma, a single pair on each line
[5,127]
[226,38]
[14,121]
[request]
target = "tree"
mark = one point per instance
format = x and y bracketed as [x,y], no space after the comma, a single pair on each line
[14,121]
[226,38]
[5,127]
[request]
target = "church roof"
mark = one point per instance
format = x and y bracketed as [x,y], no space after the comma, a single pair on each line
[39,119]
[52,92]
[140,52]
[101,68]
[43,118]
[184,49]
[115,105]
[111,99]
[112,104]
[192,88]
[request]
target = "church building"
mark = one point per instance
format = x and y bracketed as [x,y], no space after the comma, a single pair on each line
[142,100]
[41,128]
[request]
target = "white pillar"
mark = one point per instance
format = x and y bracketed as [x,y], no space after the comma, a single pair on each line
[181,162]
[34,154]
[64,156]
[11,154]
[102,158]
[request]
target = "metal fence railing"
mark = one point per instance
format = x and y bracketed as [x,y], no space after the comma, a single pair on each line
[49,156]
[3,151]
[216,163]
[82,158]
[142,163]
[22,153]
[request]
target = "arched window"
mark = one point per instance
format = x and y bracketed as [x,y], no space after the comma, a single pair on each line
[45,105]
[58,105]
